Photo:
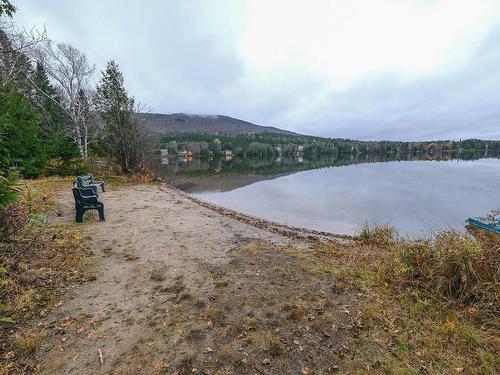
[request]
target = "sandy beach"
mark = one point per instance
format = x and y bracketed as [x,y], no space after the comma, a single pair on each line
[159,257]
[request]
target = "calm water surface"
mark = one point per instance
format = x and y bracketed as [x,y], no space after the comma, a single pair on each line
[416,197]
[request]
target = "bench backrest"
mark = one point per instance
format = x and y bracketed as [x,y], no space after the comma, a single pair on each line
[77,194]
[84,181]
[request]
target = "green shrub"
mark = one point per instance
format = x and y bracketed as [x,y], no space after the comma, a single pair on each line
[8,189]
[68,167]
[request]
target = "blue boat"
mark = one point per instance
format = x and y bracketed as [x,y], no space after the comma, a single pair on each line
[481,223]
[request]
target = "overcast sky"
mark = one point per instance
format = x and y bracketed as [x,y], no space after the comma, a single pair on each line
[371,69]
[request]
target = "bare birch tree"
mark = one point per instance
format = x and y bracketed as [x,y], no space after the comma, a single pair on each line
[70,71]
[91,127]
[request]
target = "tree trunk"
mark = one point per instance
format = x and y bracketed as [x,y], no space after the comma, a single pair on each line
[78,138]
[85,141]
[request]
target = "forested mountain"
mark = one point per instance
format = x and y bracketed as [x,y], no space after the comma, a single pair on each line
[212,124]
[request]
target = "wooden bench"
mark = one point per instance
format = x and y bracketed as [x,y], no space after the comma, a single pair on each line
[86,199]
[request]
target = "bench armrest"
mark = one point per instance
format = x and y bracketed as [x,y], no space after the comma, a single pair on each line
[87,191]
[89,199]
[89,186]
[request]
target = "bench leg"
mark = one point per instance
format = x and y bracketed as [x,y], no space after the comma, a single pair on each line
[79,215]
[101,212]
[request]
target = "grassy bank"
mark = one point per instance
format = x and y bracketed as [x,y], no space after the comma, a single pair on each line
[431,306]
[378,304]
[36,259]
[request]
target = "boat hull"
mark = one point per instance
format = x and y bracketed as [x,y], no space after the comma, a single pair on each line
[478,222]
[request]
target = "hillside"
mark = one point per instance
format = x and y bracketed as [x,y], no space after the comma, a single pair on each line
[187,123]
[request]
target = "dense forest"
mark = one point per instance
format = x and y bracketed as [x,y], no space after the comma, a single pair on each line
[265,144]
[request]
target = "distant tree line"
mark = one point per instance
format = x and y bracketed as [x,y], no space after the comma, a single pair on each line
[265,144]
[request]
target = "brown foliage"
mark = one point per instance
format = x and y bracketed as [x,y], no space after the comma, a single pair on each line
[37,259]
[461,268]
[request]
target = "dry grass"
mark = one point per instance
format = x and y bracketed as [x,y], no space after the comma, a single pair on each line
[38,258]
[144,177]
[255,321]
[357,307]
[157,275]
[459,268]
[431,306]
[41,194]
[28,341]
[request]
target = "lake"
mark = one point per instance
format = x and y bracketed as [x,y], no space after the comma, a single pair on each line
[415,196]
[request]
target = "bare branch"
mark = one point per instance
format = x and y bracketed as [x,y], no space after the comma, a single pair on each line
[69,69]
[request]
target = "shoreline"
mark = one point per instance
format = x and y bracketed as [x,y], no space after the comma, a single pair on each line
[261,223]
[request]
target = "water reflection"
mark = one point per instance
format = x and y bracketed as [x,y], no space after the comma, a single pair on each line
[196,175]
[416,195]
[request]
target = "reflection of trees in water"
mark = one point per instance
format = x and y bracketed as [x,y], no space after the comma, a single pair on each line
[284,164]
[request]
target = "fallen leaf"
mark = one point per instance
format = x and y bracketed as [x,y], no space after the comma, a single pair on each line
[9,355]
[160,366]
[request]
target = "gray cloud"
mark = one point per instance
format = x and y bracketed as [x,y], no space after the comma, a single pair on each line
[185,57]
[460,105]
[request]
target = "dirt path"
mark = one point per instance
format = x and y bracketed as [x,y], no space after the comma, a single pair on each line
[167,269]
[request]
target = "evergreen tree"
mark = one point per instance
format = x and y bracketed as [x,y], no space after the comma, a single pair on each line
[48,104]
[53,120]
[116,108]
[6,8]
[19,133]
[112,100]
